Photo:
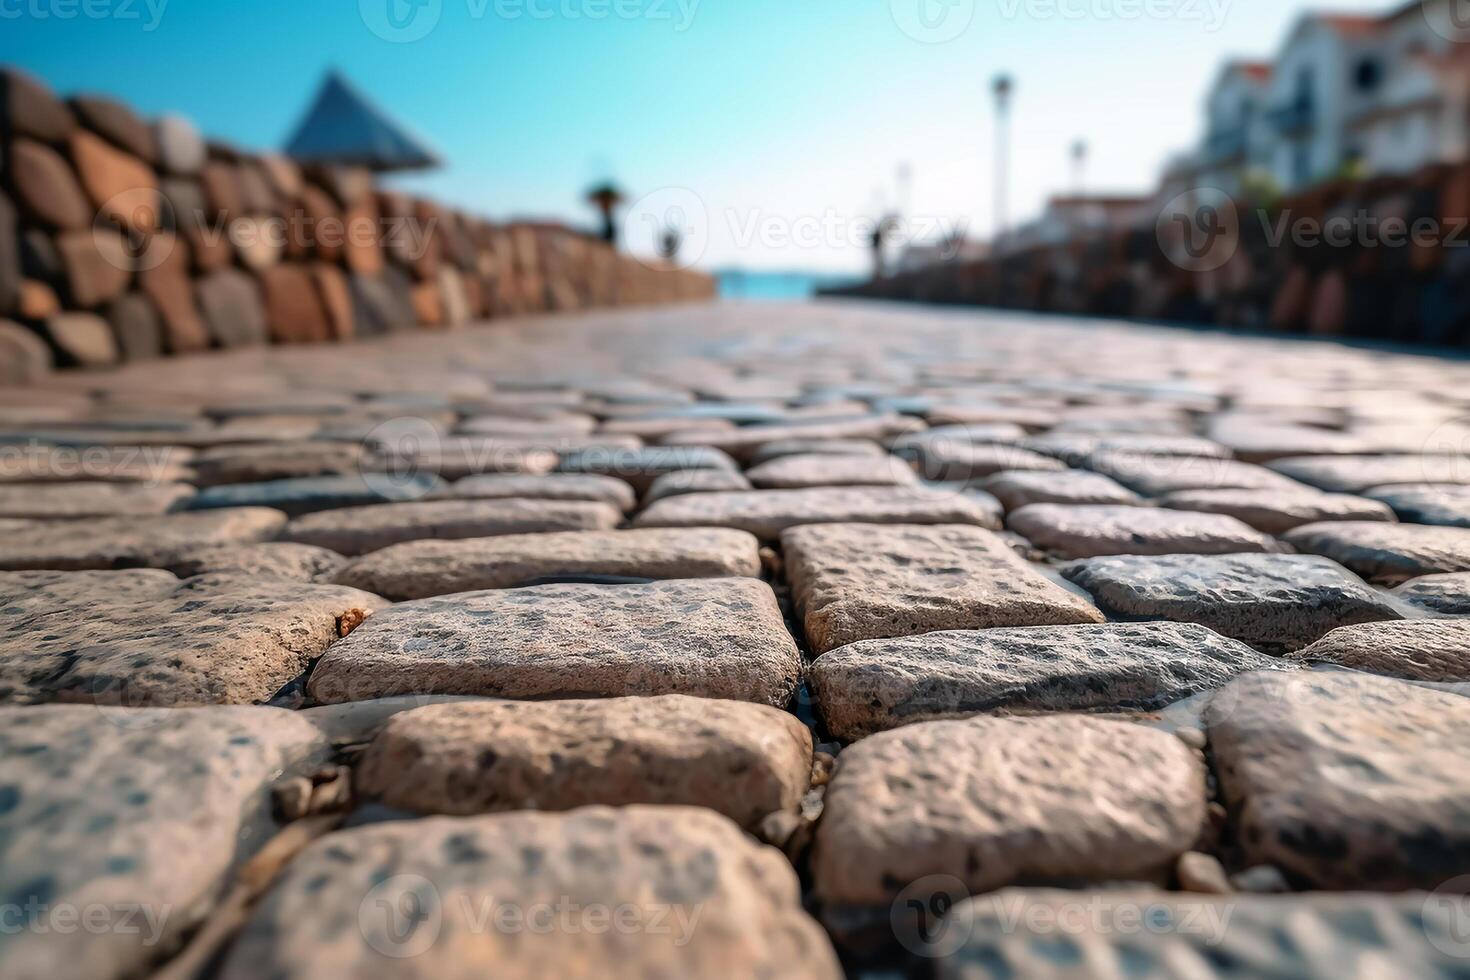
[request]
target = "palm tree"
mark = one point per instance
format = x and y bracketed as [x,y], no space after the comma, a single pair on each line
[606,197]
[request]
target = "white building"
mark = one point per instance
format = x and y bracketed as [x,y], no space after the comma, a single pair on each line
[1238,138]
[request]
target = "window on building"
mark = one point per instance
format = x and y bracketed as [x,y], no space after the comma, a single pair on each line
[1367,75]
[1301,164]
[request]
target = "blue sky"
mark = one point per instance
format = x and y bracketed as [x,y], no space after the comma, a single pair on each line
[776,127]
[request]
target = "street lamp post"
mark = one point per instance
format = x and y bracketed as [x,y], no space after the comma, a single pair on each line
[1003,86]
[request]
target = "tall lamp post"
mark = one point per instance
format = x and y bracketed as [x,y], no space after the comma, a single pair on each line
[1079,167]
[1003,87]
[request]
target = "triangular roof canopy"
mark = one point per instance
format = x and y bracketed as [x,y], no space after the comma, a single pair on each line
[343,127]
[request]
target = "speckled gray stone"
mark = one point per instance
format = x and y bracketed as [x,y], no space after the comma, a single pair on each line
[360,530]
[948,460]
[550,486]
[1445,595]
[229,465]
[1080,448]
[1126,935]
[1435,650]
[143,638]
[1090,531]
[640,467]
[1345,781]
[69,501]
[1269,601]
[814,447]
[118,464]
[881,684]
[1387,553]
[139,815]
[955,797]
[744,442]
[1356,474]
[743,760]
[694,481]
[1018,489]
[718,638]
[271,559]
[766,513]
[1279,511]
[856,582]
[635,892]
[1156,476]
[308,495]
[131,542]
[1447,505]
[421,569]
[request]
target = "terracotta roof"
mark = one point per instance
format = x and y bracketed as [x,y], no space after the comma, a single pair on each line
[1351,25]
[1257,71]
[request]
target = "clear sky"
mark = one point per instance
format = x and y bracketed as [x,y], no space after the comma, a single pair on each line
[776,126]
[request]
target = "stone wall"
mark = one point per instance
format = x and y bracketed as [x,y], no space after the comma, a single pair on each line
[122,238]
[1385,258]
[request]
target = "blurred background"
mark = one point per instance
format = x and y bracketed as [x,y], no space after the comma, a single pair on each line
[782,134]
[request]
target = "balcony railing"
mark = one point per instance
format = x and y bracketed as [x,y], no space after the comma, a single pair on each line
[1294,117]
[1226,144]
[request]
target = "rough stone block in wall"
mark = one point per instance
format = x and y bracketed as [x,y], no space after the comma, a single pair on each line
[136,326]
[119,125]
[29,108]
[97,266]
[121,187]
[292,309]
[10,264]
[171,289]
[233,310]
[336,299]
[46,187]
[180,148]
[24,357]
[83,339]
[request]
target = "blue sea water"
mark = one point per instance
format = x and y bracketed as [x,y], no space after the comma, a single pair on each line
[747,285]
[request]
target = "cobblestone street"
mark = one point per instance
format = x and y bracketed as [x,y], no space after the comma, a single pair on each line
[739,640]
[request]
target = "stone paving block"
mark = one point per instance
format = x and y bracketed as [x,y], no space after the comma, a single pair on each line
[131,542]
[814,447]
[1447,505]
[1050,935]
[1388,553]
[1345,781]
[942,462]
[456,457]
[1435,650]
[52,501]
[118,464]
[1279,511]
[767,513]
[1156,476]
[744,442]
[550,486]
[1275,602]
[270,559]
[856,582]
[1018,488]
[694,481]
[1092,531]
[693,894]
[359,530]
[876,685]
[743,760]
[241,464]
[715,638]
[954,798]
[799,472]
[143,639]
[309,495]
[1080,448]
[1446,595]
[1260,441]
[422,569]
[640,467]
[1359,474]
[139,815]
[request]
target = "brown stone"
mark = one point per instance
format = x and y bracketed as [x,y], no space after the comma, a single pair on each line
[131,542]
[797,472]
[51,501]
[119,124]
[725,904]
[360,530]
[421,569]
[1345,781]
[256,242]
[1447,595]
[83,339]
[169,287]
[856,582]
[37,301]
[1089,531]
[136,326]
[121,187]
[552,486]
[46,188]
[694,481]
[292,308]
[98,268]
[743,760]
[336,300]
[231,304]
[766,513]
[1017,489]
[713,638]
[362,247]
[28,108]
[1155,476]
[222,193]
[428,304]
[1435,650]
[24,357]
[271,559]
[11,249]
[954,797]
[1279,511]
[145,639]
